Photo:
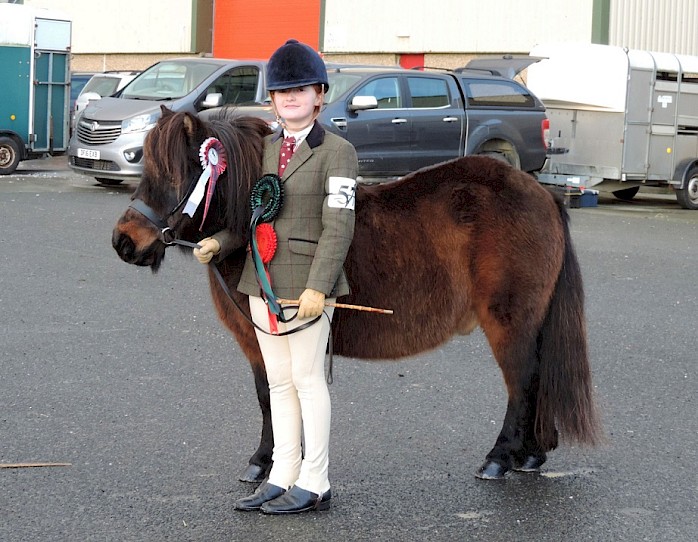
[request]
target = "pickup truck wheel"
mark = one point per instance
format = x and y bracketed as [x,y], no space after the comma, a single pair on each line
[108,182]
[688,195]
[627,193]
[9,155]
[497,156]
[506,156]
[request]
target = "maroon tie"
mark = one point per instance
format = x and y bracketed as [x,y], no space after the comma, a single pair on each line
[287,149]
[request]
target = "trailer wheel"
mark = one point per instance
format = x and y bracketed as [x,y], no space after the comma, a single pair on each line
[627,193]
[688,195]
[9,155]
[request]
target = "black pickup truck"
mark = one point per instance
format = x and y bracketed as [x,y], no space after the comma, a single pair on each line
[400,120]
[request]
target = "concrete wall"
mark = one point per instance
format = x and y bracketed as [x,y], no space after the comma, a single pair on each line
[451,26]
[127,34]
[132,34]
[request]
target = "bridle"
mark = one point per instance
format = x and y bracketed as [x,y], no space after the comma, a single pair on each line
[167,234]
[169,238]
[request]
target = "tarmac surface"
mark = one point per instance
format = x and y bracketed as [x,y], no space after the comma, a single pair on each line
[128,382]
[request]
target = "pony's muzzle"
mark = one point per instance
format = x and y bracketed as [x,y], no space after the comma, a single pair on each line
[150,255]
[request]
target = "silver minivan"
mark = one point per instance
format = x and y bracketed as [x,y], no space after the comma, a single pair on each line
[108,140]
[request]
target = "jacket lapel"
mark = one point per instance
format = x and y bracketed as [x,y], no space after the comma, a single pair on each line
[305,149]
[302,154]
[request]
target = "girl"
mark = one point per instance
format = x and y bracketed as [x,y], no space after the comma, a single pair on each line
[314,229]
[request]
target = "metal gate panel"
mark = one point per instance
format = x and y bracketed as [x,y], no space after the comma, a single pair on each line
[51,79]
[638,114]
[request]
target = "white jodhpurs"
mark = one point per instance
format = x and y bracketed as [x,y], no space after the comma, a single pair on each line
[300,400]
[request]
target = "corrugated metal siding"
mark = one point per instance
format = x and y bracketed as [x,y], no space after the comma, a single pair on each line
[669,26]
[448,26]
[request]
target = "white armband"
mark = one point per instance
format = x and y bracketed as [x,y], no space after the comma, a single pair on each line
[342,193]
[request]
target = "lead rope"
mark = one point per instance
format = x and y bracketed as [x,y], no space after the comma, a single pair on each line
[221,282]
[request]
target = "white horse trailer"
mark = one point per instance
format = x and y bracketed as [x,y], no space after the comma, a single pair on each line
[619,119]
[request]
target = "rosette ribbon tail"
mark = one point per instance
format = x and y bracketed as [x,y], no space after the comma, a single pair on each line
[213,161]
[261,272]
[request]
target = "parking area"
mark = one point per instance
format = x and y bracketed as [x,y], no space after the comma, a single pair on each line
[127,381]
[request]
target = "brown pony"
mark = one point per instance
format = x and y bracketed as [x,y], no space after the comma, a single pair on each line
[466,243]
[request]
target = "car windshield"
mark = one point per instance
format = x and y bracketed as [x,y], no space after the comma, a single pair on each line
[102,85]
[169,80]
[339,84]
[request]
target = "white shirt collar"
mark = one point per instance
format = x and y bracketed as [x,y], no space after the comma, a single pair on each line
[300,136]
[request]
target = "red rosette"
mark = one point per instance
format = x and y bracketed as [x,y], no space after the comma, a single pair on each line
[266,241]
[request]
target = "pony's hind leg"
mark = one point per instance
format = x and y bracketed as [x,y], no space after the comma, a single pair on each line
[516,447]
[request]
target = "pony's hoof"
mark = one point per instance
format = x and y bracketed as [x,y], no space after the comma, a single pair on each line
[254,474]
[491,470]
[532,463]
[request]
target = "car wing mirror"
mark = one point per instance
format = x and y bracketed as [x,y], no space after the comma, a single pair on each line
[213,99]
[359,103]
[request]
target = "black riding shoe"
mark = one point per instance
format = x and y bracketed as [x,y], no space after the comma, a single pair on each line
[297,500]
[265,492]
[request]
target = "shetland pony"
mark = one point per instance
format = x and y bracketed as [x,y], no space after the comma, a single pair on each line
[465,243]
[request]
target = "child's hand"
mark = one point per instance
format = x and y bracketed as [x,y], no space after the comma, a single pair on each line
[209,248]
[311,303]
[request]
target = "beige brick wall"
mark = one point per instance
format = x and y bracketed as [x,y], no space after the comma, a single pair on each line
[117,62]
[445,60]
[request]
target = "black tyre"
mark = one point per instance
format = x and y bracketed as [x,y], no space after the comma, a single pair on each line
[627,193]
[108,182]
[9,155]
[688,195]
[502,157]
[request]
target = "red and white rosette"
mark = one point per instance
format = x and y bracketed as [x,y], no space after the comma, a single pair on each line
[213,161]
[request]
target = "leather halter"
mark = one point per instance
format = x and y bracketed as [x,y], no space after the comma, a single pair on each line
[169,237]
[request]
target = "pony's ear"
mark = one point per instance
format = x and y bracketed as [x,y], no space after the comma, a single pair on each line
[192,125]
[166,111]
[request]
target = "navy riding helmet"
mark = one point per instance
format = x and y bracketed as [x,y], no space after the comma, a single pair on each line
[295,64]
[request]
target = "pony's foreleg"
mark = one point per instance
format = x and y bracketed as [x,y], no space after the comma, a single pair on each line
[260,462]
[230,312]
[516,447]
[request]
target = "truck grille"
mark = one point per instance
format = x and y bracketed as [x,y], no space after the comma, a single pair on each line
[92,132]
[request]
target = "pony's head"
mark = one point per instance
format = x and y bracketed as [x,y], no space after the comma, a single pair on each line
[172,168]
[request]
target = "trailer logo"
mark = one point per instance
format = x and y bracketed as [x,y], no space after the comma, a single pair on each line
[665,101]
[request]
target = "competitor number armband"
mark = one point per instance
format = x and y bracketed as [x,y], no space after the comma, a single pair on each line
[342,193]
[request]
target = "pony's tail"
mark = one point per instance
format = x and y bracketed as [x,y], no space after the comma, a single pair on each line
[565,395]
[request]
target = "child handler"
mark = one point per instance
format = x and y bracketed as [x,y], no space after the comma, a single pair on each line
[314,229]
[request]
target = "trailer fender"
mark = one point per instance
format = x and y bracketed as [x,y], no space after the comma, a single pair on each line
[681,173]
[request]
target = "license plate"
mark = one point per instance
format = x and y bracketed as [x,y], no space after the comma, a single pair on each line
[88,153]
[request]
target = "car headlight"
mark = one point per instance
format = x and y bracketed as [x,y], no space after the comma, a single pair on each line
[141,123]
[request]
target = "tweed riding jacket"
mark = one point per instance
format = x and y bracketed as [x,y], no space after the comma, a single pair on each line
[315,225]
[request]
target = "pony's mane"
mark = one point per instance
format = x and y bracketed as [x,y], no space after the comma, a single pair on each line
[172,147]
[243,139]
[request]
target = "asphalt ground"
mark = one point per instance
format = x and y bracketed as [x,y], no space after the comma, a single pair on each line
[128,379]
